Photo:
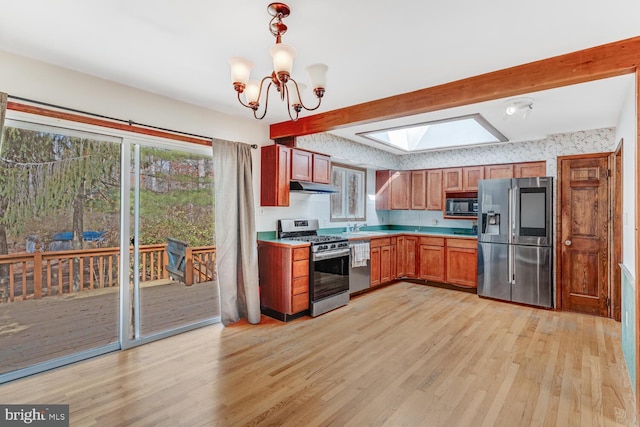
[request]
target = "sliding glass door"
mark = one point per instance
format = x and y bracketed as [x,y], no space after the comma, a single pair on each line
[59,246]
[172,224]
[106,242]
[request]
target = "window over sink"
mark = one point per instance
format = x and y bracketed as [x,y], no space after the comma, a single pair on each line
[349,203]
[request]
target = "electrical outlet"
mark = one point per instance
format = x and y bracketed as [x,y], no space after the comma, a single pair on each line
[434,222]
[261,211]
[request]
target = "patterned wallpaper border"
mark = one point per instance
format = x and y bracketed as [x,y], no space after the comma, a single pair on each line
[549,148]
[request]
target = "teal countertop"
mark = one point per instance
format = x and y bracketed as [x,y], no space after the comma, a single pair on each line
[381,231]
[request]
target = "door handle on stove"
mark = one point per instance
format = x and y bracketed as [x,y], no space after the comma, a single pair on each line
[319,256]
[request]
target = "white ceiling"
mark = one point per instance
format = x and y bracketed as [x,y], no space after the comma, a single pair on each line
[374,49]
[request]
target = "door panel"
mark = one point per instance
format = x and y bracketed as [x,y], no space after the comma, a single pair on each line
[532,272]
[584,235]
[493,271]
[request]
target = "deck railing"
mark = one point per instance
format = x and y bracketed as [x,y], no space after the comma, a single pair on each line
[34,275]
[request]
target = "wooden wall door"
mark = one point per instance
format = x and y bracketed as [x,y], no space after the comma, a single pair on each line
[583,234]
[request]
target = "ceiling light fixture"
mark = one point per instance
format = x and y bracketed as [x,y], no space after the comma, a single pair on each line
[518,106]
[282,54]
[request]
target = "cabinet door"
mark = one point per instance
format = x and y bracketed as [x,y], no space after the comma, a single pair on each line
[401,190]
[400,257]
[385,264]
[530,169]
[301,165]
[419,189]
[498,171]
[471,176]
[374,255]
[321,168]
[394,261]
[462,266]
[411,257]
[452,179]
[432,263]
[274,175]
[434,190]
[383,181]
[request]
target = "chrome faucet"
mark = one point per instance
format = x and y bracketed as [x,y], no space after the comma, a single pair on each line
[357,227]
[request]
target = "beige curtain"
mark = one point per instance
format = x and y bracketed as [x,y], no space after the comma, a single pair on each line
[236,247]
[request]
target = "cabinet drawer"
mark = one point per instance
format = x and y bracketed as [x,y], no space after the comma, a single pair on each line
[376,243]
[462,243]
[301,268]
[432,241]
[300,253]
[299,303]
[300,285]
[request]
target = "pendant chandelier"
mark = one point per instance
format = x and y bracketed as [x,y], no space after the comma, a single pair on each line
[282,54]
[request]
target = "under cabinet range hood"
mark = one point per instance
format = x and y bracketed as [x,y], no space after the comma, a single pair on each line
[312,187]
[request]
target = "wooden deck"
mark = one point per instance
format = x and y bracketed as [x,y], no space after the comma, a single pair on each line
[402,355]
[36,330]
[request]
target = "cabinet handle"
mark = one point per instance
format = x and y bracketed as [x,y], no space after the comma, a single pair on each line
[567,242]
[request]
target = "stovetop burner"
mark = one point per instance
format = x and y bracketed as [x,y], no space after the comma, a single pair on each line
[307,231]
[316,240]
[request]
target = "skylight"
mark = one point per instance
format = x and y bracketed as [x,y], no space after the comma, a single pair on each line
[439,134]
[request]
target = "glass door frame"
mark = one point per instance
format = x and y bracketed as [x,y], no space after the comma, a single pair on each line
[126,292]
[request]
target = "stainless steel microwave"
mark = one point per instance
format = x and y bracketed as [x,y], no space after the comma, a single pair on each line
[461,207]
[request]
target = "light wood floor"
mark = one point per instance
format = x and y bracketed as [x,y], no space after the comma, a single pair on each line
[404,355]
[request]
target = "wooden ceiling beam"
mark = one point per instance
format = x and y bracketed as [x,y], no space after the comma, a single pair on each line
[608,60]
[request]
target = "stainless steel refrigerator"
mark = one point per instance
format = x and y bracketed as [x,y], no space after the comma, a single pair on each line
[515,240]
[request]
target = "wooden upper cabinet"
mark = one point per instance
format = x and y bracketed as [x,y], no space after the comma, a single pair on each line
[471,176]
[434,190]
[301,165]
[498,171]
[400,194]
[530,169]
[419,189]
[452,179]
[321,168]
[383,190]
[274,175]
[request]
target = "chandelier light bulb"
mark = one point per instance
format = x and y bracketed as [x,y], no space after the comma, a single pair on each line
[240,71]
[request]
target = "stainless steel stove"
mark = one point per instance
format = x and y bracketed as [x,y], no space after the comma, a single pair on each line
[328,266]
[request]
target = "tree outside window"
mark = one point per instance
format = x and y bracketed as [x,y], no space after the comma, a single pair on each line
[348,204]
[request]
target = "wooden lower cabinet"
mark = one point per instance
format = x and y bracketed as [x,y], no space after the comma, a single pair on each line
[374,270]
[284,279]
[383,260]
[411,256]
[462,262]
[400,257]
[432,259]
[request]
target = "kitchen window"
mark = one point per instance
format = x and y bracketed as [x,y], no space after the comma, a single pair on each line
[349,203]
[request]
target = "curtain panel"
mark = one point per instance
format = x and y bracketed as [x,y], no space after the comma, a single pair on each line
[236,246]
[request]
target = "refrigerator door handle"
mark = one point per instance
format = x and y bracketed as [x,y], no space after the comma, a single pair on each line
[510,265]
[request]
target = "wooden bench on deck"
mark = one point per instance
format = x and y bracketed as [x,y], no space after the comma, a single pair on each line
[178,266]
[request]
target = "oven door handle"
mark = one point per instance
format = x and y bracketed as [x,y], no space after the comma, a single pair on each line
[330,254]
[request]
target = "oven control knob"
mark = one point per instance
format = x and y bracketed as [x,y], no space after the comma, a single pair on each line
[321,247]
